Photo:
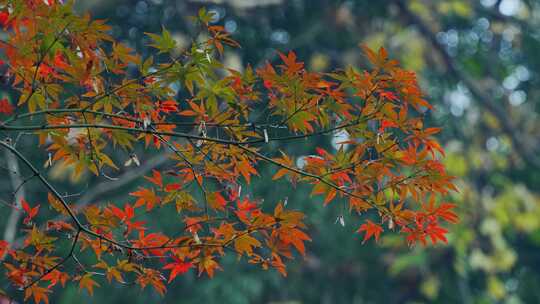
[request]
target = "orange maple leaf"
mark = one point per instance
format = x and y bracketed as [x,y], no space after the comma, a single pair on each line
[371,229]
[146,197]
[87,283]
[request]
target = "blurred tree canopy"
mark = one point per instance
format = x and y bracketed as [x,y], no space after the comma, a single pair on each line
[478,62]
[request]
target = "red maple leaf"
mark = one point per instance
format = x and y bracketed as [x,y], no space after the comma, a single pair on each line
[149,80]
[436,233]
[168,106]
[387,124]
[268,84]
[443,211]
[60,62]
[151,243]
[4,247]
[371,229]
[126,215]
[4,19]
[45,70]
[56,277]
[177,267]
[146,197]
[156,178]
[246,208]
[31,212]
[6,107]
[388,96]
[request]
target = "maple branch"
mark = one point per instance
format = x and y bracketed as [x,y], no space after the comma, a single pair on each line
[16,117]
[80,227]
[90,77]
[53,190]
[41,59]
[107,186]
[60,263]
[202,245]
[141,78]
[93,153]
[316,177]
[42,179]
[353,165]
[190,165]
[113,127]
[4,127]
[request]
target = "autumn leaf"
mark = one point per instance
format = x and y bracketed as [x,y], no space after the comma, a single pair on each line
[6,107]
[91,101]
[37,293]
[294,237]
[168,106]
[30,212]
[371,230]
[245,208]
[286,161]
[386,124]
[156,178]
[152,277]
[4,247]
[246,169]
[216,200]
[60,61]
[152,240]
[111,272]
[391,96]
[55,277]
[277,263]
[60,226]
[4,18]
[177,267]
[146,197]
[444,212]
[291,66]
[56,204]
[358,204]
[88,283]
[209,265]
[436,233]
[245,243]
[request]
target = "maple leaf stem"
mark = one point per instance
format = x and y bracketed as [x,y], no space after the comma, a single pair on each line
[7,128]
[55,192]
[191,167]
[353,165]
[43,180]
[60,263]
[307,174]
[140,78]
[42,58]
[384,211]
